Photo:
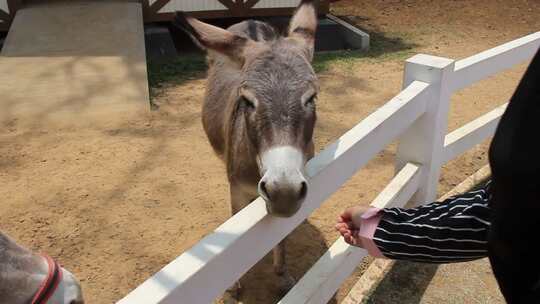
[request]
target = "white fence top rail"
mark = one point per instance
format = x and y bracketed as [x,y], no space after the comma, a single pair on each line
[325,277]
[205,271]
[472,133]
[222,257]
[319,284]
[487,63]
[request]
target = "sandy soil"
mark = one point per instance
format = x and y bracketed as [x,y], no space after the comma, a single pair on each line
[114,205]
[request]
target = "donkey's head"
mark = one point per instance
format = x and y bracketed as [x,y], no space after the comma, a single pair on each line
[276,99]
[26,277]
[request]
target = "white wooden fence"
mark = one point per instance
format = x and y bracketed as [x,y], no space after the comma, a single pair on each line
[209,5]
[417,116]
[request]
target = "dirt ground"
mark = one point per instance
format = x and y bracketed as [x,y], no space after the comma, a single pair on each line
[114,205]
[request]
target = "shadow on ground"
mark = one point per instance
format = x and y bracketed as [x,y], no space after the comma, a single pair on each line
[191,63]
[383,46]
[304,247]
[405,284]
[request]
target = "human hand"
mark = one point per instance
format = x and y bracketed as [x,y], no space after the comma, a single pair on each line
[348,224]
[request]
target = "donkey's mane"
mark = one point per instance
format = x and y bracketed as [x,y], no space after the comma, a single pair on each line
[256,30]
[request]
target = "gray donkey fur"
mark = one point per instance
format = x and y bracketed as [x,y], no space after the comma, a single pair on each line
[22,272]
[259,110]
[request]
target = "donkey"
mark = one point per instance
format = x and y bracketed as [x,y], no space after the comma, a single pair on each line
[259,110]
[515,164]
[26,277]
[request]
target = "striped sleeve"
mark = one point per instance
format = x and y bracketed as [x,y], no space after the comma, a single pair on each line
[454,230]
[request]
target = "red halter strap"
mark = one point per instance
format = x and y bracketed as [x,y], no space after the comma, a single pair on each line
[49,285]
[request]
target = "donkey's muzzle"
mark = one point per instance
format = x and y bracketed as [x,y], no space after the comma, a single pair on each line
[284,192]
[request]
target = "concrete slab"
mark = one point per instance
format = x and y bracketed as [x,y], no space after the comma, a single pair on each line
[74,63]
[333,33]
[353,37]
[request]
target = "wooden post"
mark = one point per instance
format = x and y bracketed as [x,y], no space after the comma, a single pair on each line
[423,142]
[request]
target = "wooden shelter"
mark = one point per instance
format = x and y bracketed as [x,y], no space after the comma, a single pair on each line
[163,10]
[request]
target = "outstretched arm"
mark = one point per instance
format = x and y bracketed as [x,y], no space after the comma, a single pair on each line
[454,230]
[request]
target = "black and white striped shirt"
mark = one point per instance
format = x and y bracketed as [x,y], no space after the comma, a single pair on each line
[454,230]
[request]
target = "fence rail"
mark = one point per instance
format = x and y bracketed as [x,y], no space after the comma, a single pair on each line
[222,257]
[487,63]
[472,133]
[417,116]
[324,278]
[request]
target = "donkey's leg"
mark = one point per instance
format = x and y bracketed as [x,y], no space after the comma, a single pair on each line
[286,281]
[239,199]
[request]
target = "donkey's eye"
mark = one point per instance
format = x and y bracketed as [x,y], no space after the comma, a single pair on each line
[247,103]
[311,101]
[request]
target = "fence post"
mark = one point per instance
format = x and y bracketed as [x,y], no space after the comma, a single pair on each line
[423,142]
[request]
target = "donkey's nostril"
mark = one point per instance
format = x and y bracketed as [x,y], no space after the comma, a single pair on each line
[303,191]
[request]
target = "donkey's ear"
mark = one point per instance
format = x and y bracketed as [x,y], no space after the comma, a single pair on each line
[303,25]
[209,37]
